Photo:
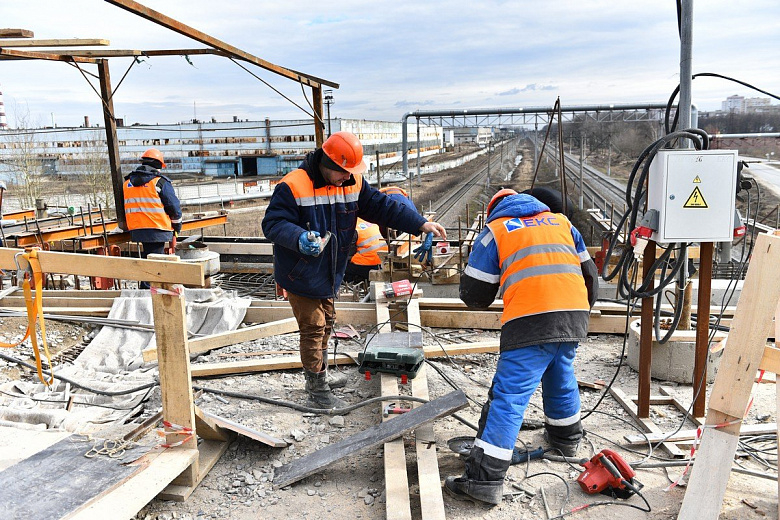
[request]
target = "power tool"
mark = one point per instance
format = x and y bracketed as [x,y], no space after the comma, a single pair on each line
[397,289]
[311,237]
[607,473]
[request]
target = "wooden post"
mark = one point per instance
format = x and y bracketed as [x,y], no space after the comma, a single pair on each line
[319,137]
[170,327]
[646,337]
[702,330]
[111,140]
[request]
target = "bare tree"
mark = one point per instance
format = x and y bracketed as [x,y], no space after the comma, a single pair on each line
[95,171]
[23,158]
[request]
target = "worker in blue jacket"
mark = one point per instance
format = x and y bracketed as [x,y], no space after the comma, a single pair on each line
[311,220]
[152,210]
[539,263]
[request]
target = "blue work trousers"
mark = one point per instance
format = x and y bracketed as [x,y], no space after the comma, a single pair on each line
[518,374]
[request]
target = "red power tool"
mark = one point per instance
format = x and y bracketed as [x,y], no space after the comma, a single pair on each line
[607,473]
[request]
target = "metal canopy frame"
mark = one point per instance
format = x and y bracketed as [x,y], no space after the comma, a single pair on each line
[99,57]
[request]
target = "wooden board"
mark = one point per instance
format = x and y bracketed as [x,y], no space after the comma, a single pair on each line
[245,431]
[13,451]
[686,435]
[373,436]
[646,424]
[75,42]
[69,479]
[209,453]
[231,337]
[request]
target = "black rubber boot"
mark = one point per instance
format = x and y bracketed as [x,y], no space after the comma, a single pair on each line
[483,480]
[566,439]
[320,395]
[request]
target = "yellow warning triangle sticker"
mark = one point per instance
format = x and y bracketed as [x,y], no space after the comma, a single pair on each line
[697,180]
[696,200]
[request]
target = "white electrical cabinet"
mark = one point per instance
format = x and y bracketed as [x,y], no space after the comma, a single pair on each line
[694,192]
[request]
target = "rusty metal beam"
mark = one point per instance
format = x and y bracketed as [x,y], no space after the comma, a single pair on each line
[68,42]
[16,33]
[34,55]
[90,236]
[186,30]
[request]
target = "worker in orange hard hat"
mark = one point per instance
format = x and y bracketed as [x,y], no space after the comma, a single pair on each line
[311,219]
[537,261]
[152,209]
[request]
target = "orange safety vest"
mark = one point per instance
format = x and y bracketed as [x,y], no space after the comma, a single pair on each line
[306,195]
[369,244]
[143,207]
[540,268]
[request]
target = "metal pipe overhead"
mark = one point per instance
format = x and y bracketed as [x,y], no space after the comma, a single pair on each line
[511,111]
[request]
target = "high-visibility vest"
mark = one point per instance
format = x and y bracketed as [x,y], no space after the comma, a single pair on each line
[143,207]
[306,194]
[540,267]
[369,244]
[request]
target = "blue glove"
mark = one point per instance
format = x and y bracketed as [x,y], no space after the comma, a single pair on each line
[309,247]
[424,251]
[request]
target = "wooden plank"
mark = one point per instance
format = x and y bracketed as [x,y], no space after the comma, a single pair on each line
[124,502]
[398,504]
[686,435]
[646,424]
[231,337]
[209,452]
[16,33]
[161,271]
[294,360]
[69,478]
[13,451]
[371,437]
[431,500]
[245,430]
[770,361]
[58,42]
[713,459]
[207,428]
[170,326]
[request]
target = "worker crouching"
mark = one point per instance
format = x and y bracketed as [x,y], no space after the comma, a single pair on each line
[548,282]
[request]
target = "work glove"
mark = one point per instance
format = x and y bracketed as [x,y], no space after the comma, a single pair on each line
[309,243]
[424,252]
[176,227]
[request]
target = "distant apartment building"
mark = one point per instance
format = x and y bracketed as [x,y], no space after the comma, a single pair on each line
[471,134]
[218,149]
[741,105]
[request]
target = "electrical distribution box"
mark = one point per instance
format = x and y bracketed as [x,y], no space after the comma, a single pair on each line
[694,192]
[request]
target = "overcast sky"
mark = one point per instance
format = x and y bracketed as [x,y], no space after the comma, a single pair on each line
[392,57]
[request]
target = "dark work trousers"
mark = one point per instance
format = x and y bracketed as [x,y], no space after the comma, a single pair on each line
[156,248]
[315,319]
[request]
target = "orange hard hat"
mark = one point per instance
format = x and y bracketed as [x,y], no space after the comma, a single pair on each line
[154,153]
[344,149]
[500,194]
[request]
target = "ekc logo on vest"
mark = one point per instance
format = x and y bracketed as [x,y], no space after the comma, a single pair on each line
[513,224]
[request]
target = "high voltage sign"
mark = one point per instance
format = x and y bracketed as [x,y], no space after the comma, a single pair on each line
[696,200]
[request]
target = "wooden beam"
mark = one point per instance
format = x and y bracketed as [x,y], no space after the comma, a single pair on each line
[770,361]
[16,33]
[231,337]
[32,55]
[373,436]
[186,30]
[243,430]
[161,271]
[170,327]
[646,424]
[687,435]
[209,453]
[58,42]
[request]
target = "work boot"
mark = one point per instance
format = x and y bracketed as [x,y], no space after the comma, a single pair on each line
[488,492]
[335,378]
[320,395]
[483,480]
[565,439]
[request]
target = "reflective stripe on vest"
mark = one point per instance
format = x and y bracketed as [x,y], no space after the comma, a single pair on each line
[540,267]
[305,195]
[369,244]
[143,207]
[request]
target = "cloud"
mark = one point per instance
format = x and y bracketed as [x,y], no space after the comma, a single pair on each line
[407,104]
[533,87]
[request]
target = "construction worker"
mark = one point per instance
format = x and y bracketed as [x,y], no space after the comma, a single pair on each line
[400,195]
[152,210]
[370,245]
[539,263]
[311,220]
